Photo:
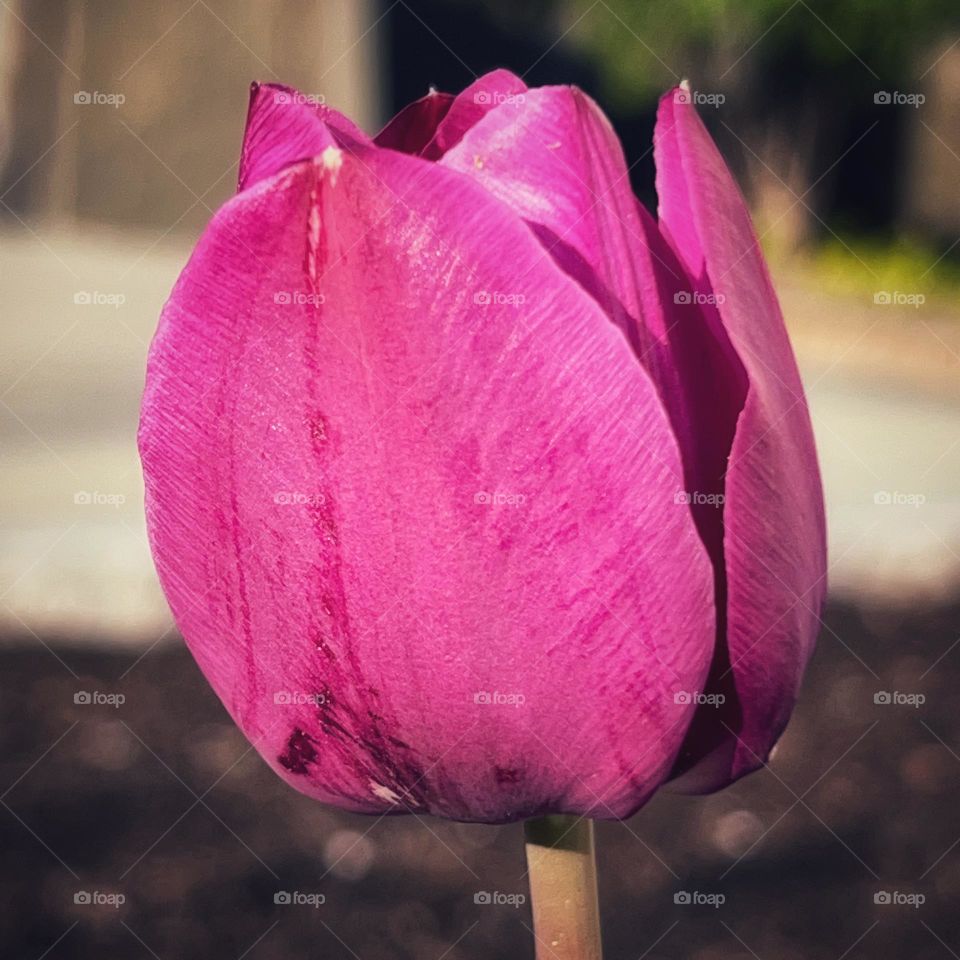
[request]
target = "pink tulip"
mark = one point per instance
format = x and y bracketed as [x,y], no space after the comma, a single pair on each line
[474,489]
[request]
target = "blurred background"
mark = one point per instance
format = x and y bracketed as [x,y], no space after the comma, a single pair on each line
[136,820]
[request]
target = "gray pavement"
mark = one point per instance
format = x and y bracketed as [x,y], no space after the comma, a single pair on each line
[80,307]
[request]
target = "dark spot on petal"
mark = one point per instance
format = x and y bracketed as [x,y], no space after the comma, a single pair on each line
[317,426]
[300,752]
[323,522]
[507,775]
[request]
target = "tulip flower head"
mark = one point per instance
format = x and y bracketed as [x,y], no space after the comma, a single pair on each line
[476,490]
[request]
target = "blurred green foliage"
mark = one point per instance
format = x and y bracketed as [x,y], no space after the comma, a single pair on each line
[800,77]
[643,47]
[860,265]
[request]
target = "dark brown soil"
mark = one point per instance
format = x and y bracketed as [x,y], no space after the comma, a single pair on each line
[161,801]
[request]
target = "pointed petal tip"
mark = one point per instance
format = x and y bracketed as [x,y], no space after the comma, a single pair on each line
[680,95]
[285,126]
[332,159]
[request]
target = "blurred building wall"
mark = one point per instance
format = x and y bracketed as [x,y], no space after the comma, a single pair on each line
[932,197]
[120,128]
[129,111]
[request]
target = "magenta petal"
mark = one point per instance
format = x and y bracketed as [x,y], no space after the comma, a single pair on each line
[473,103]
[774,546]
[414,126]
[553,157]
[555,160]
[410,497]
[284,126]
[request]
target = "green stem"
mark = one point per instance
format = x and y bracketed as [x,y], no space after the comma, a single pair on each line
[563,888]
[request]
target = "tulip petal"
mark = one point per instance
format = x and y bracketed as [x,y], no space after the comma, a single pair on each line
[284,126]
[471,105]
[414,126]
[405,490]
[774,544]
[553,157]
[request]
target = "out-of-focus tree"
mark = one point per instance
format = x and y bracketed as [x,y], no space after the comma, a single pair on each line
[794,73]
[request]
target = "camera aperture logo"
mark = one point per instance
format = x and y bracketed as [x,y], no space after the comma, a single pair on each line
[99,298]
[297,298]
[895,898]
[682,297]
[697,498]
[496,898]
[897,498]
[499,498]
[97,98]
[484,698]
[296,698]
[699,98]
[295,96]
[896,98]
[686,697]
[292,498]
[898,298]
[88,498]
[298,898]
[96,698]
[897,698]
[97,898]
[697,898]
[497,97]
[486,298]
